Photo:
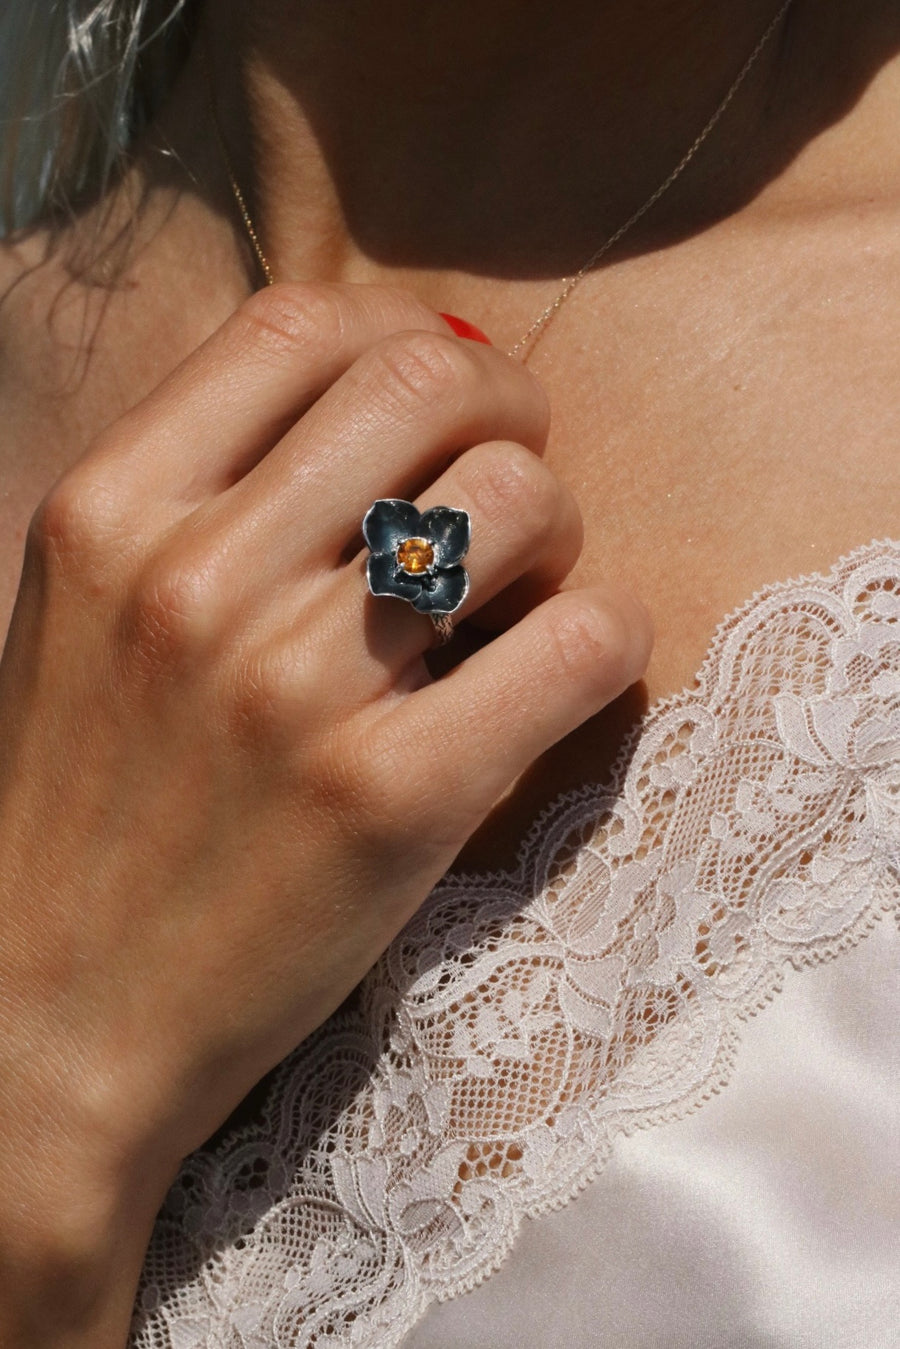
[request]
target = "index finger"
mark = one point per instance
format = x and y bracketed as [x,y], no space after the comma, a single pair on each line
[231,400]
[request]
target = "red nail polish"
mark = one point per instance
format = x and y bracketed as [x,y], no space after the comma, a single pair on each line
[464,329]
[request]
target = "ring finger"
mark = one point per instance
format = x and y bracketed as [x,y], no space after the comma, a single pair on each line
[526,535]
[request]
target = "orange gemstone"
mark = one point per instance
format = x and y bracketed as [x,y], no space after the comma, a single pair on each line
[415,556]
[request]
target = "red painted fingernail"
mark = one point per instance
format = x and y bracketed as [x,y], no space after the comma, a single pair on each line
[464,329]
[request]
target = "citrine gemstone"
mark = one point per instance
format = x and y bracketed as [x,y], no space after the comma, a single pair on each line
[415,556]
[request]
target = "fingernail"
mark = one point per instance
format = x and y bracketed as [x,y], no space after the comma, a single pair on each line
[462,328]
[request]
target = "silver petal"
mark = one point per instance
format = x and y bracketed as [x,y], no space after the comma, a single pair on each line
[449,531]
[450,589]
[382,575]
[388,522]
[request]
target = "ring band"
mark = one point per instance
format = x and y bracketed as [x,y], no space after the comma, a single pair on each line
[416,557]
[443,626]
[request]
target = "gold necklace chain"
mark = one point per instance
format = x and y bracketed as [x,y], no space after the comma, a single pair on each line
[530,337]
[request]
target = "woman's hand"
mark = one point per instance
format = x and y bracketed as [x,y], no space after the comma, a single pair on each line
[226,776]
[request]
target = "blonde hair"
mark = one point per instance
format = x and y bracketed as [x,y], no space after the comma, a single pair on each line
[78,80]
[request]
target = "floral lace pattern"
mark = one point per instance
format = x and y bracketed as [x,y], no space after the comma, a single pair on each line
[525,1019]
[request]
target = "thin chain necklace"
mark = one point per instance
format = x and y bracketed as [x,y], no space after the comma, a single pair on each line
[529,339]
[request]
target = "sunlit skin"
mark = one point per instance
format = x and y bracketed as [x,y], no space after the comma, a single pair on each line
[698,383]
[724,394]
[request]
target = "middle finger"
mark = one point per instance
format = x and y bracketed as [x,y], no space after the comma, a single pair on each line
[385,429]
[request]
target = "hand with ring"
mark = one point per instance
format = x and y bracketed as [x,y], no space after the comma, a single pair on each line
[228,777]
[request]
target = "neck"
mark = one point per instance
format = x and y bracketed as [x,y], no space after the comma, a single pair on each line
[500,138]
[403,140]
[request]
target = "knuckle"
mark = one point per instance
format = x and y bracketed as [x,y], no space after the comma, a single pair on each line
[393,308]
[292,317]
[590,641]
[508,481]
[361,781]
[172,612]
[269,698]
[416,368]
[77,526]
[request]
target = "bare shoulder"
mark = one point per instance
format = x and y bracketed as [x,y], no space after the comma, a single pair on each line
[24,468]
[42,366]
[29,275]
[61,354]
[23,257]
[51,401]
[15,266]
[20,266]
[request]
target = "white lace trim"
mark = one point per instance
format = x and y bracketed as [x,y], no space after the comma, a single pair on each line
[526,1018]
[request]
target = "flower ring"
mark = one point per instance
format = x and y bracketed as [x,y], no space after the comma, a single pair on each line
[416,557]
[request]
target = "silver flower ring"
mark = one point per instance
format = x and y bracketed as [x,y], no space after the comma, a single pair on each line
[417,558]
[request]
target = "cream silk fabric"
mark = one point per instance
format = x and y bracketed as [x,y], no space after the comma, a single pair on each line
[769,1219]
[529,1029]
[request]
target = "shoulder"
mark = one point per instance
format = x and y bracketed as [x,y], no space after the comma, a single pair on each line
[45,342]
[51,312]
[19,264]
[27,271]
[22,255]
[90,322]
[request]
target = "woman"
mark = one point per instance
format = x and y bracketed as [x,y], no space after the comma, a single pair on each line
[231,774]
